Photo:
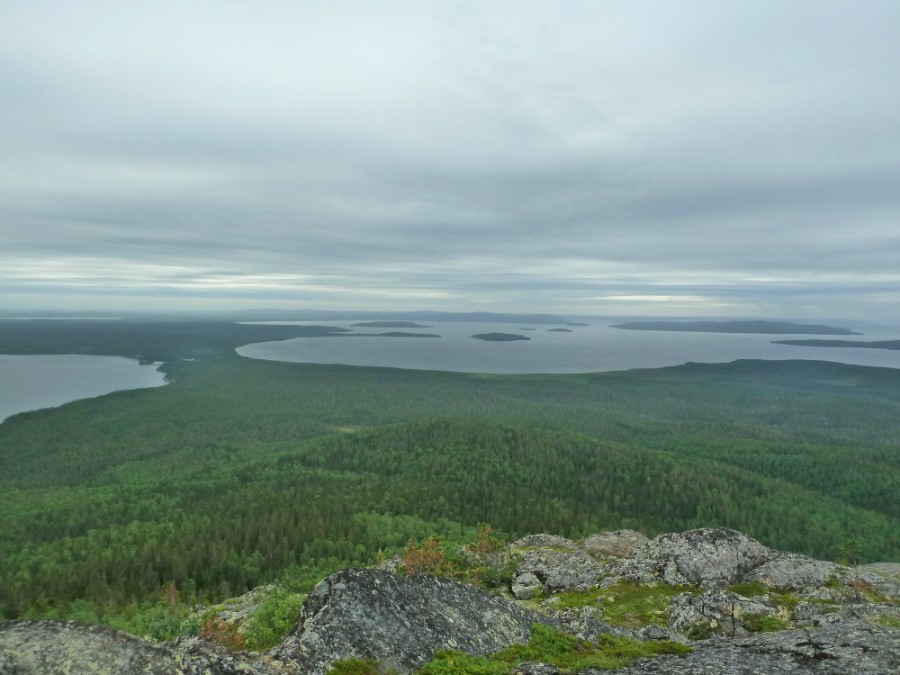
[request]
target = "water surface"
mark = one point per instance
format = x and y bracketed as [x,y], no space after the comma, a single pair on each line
[35,382]
[594,348]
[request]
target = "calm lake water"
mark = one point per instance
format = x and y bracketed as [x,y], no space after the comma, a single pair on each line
[35,382]
[592,348]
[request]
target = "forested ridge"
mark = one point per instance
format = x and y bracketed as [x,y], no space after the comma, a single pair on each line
[241,472]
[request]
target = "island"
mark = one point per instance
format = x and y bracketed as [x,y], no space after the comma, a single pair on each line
[893,345]
[527,328]
[759,327]
[388,324]
[558,330]
[500,337]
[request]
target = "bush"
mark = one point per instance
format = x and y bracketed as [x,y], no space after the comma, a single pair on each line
[271,621]
[224,633]
[427,558]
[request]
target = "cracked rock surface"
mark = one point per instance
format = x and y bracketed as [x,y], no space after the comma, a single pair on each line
[857,649]
[399,621]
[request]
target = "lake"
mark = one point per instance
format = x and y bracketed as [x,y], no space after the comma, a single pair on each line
[35,382]
[593,348]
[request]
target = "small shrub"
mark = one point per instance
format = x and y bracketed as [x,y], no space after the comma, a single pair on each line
[427,558]
[273,619]
[486,542]
[224,633]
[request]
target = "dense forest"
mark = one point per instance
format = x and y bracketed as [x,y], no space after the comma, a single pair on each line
[240,472]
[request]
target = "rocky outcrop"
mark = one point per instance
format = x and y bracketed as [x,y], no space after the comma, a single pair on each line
[551,563]
[861,649]
[615,544]
[715,612]
[399,621]
[790,570]
[68,647]
[823,617]
[708,557]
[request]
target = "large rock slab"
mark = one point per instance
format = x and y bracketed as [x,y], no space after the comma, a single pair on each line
[860,649]
[399,621]
[68,647]
[709,557]
[794,571]
[615,544]
[559,570]
[717,611]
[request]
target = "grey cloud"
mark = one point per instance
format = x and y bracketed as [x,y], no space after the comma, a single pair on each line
[453,153]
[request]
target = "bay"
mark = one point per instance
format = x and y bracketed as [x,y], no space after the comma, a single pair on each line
[595,348]
[45,381]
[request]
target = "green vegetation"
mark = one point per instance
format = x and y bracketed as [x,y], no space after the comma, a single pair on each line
[763,623]
[626,604]
[358,667]
[243,472]
[549,645]
[276,614]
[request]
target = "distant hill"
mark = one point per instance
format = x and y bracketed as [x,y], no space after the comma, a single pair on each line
[760,327]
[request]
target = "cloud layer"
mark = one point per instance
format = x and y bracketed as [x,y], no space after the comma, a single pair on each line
[733,158]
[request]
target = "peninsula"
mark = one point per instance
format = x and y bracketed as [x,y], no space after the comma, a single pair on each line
[759,327]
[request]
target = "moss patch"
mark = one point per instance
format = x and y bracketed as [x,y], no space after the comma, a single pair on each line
[627,604]
[549,645]
[762,623]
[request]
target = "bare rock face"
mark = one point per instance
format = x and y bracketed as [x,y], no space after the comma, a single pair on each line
[559,570]
[545,541]
[525,586]
[860,649]
[708,557]
[718,612]
[883,577]
[616,544]
[399,621]
[66,647]
[794,571]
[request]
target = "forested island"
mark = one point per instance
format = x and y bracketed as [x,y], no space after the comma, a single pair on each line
[500,337]
[243,472]
[758,327]
[558,330]
[860,344]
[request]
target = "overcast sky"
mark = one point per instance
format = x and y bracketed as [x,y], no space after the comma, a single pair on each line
[596,157]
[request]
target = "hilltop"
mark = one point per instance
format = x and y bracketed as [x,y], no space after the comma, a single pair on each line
[705,600]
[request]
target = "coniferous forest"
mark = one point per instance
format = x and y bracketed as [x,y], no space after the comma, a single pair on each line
[241,472]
